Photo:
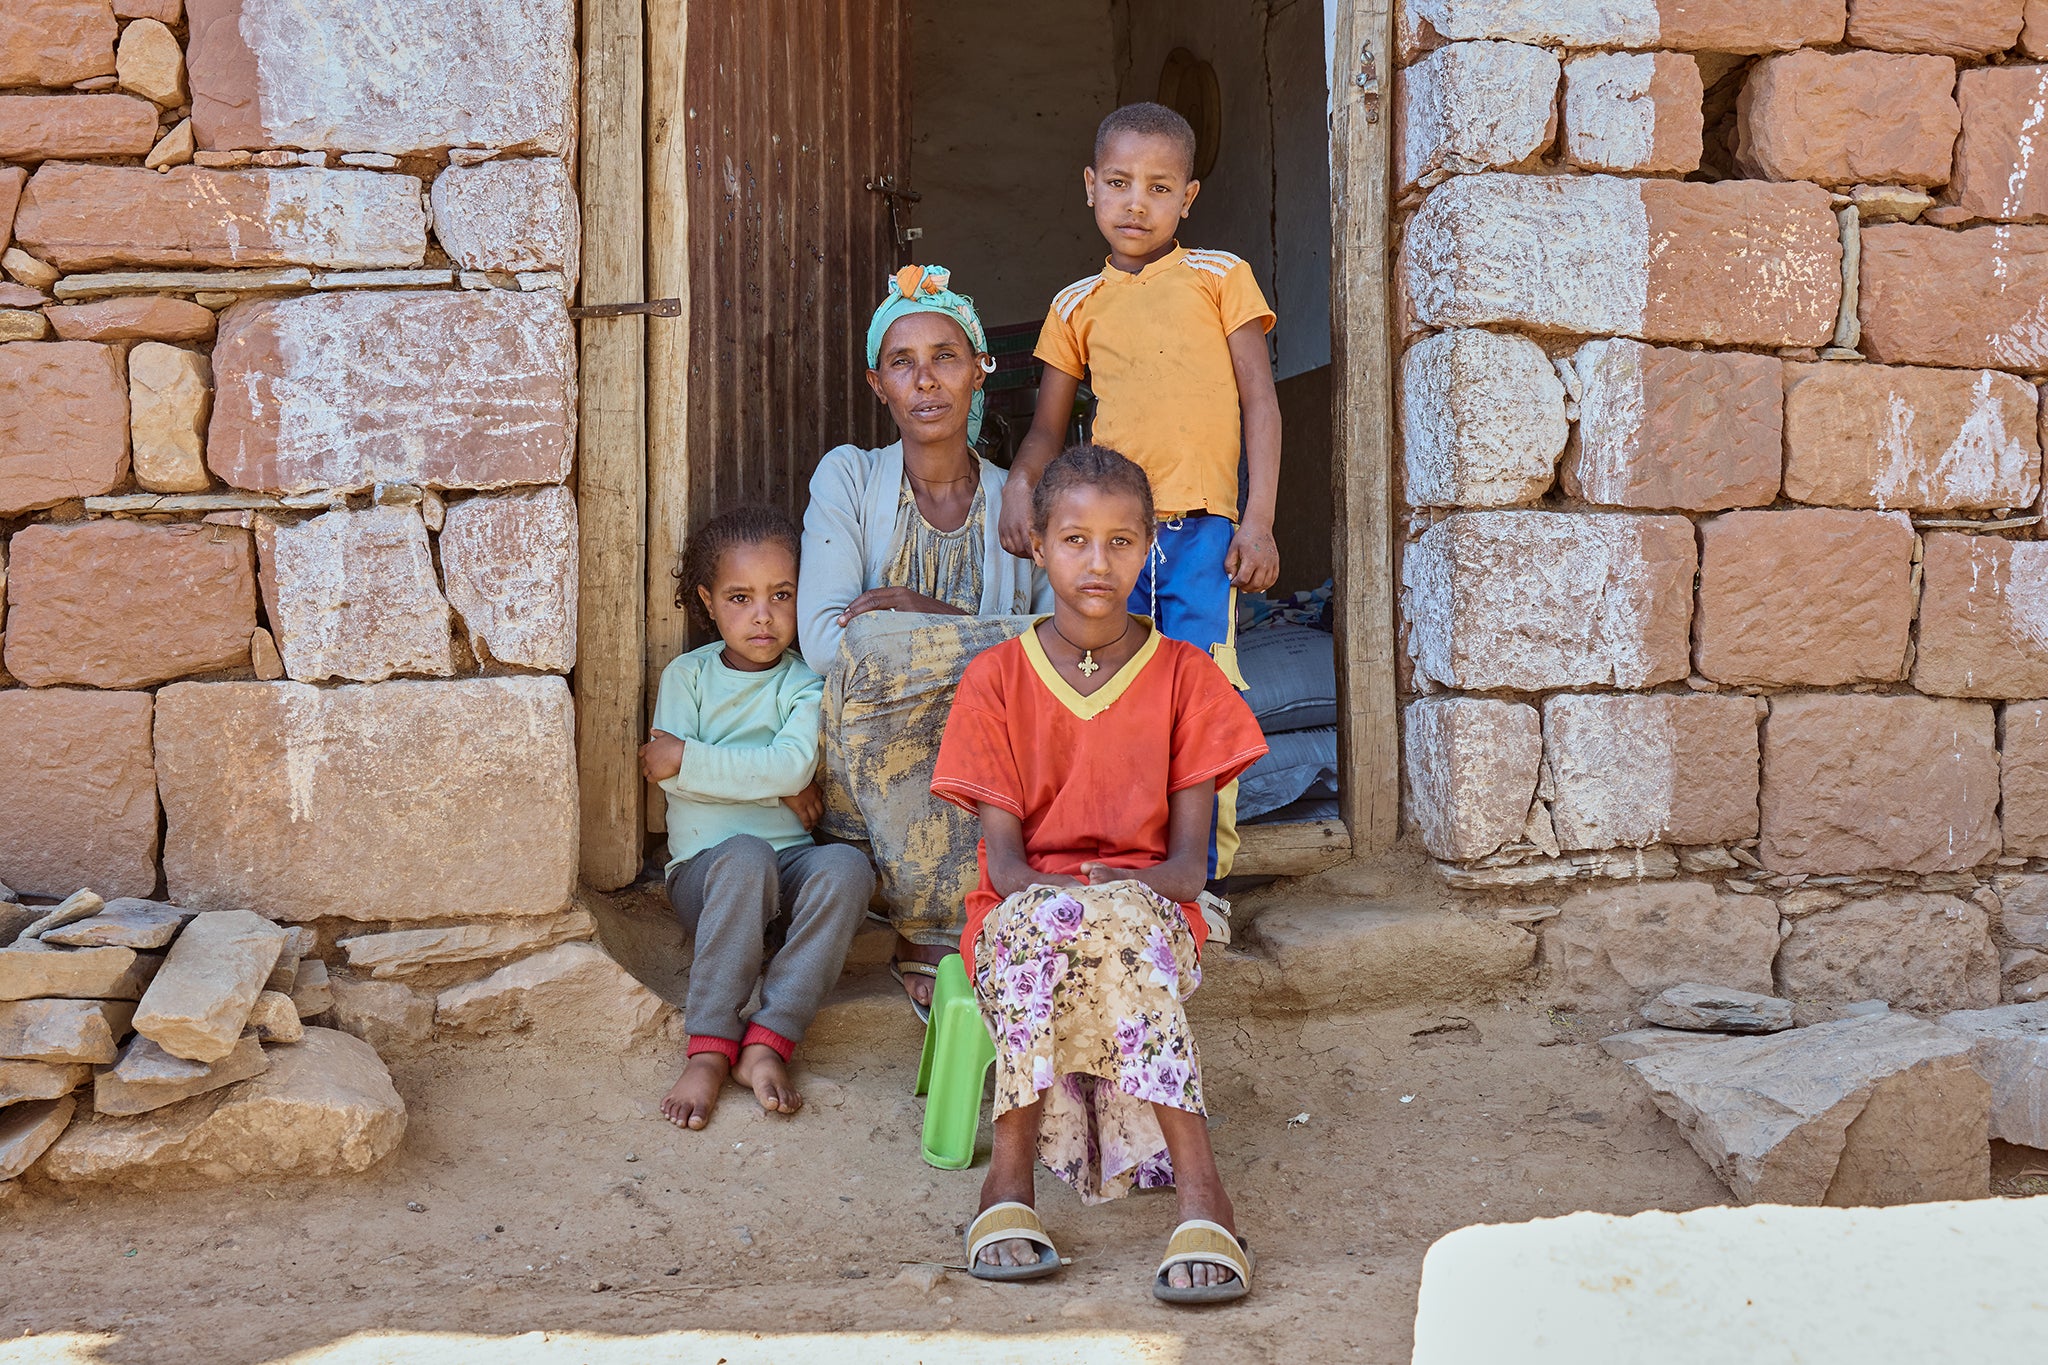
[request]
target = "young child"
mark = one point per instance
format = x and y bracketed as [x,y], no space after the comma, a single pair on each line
[1173,342]
[1090,747]
[735,746]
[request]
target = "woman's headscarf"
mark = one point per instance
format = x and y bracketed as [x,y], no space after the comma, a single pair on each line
[926,289]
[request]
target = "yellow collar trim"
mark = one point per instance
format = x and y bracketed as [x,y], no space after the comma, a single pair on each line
[1102,698]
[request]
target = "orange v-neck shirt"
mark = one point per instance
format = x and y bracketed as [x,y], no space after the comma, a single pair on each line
[1089,776]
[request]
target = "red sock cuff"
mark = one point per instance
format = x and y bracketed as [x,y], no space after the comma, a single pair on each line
[700,1042]
[756,1034]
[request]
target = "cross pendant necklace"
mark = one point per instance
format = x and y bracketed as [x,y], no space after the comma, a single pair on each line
[1088,667]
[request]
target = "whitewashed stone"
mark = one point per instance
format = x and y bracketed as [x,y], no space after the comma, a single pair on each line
[275,1019]
[1717,1009]
[146,1077]
[2010,1049]
[1632,771]
[1724,26]
[1482,420]
[407,952]
[27,1130]
[1472,769]
[1474,107]
[352,594]
[31,971]
[570,991]
[1614,948]
[511,216]
[510,563]
[63,1030]
[1882,1109]
[1633,111]
[170,395]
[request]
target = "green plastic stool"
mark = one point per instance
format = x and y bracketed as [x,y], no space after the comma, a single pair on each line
[957,1055]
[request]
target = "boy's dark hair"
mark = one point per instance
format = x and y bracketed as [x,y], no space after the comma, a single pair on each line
[1089,466]
[1148,120]
[752,524]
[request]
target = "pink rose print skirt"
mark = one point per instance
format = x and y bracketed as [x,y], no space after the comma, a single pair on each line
[1081,988]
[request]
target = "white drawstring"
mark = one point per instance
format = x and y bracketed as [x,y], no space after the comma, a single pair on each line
[1153,562]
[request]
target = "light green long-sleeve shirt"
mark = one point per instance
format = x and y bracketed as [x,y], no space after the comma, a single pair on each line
[749,739]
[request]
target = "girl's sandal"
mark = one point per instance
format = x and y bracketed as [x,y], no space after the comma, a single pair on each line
[1199,1241]
[899,969]
[998,1223]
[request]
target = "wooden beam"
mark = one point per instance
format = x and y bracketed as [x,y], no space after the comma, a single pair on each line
[1369,735]
[1293,849]
[611,482]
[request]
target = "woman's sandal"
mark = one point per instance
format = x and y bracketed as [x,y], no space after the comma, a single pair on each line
[1199,1241]
[899,969]
[999,1223]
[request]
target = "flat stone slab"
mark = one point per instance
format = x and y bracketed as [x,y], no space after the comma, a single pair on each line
[200,1001]
[407,952]
[571,990]
[2011,1052]
[1719,1009]
[1883,1109]
[21,1081]
[1648,1042]
[325,1107]
[63,1030]
[313,992]
[32,972]
[146,1077]
[127,922]
[78,905]
[27,1130]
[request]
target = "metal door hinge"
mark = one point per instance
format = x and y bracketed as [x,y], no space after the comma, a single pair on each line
[1368,80]
[654,308]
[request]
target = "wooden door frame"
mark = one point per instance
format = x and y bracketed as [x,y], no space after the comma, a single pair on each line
[633,468]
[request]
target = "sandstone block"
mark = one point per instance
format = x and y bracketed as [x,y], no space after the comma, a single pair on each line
[1844,118]
[1877,1110]
[1482,420]
[22,1081]
[1633,111]
[1811,597]
[1474,107]
[1472,769]
[29,971]
[275,1019]
[1931,296]
[352,594]
[81,217]
[323,74]
[1994,159]
[150,62]
[79,905]
[1632,771]
[63,423]
[1901,436]
[1734,263]
[510,216]
[173,148]
[201,998]
[137,317]
[1983,617]
[79,803]
[324,1107]
[63,1031]
[123,604]
[473,814]
[146,1077]
[1967,30]
[56,42]
[126,922]
[20,325]
[1733,26]
[2010,1050]
[313,991]
[1662,427]
[2034,36]
[1614,948]
[1647,1042]
[27,1130]
[163,11]
[408,952]
[2023,785]
[391,1017]
[12,178]
[1860,783]
[571,991]
[47,127]
[1540,600]
[1716,1009]
[1916,952]
[510,564]
[28,271]
[170,394]
[336,390]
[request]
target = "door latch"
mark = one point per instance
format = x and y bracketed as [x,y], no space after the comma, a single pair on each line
[900,201]
[1368,80]
[654,308]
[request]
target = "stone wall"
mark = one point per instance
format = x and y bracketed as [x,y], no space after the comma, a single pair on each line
[1724,585]
[287,397]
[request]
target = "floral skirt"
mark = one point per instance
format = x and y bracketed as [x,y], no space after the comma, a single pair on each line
[1082,990]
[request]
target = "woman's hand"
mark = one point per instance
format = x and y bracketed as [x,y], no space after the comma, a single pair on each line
[661,757]
[1002,841]
[1176,881]
[1013,527]
[1253,561]
[896,599]
[808,804]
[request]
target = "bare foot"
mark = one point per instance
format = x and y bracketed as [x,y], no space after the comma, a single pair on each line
[1009,1181]
[917,985]
[1214,1205]
[761,1069]
[691,1099]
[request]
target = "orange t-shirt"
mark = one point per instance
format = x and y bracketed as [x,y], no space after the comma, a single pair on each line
[1089,776]
[1154,346]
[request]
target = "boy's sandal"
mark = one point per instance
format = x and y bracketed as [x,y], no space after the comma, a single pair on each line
[999,1223]
[899,969]
[1199,1241]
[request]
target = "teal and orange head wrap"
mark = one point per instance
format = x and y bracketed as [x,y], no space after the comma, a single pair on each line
[927,289]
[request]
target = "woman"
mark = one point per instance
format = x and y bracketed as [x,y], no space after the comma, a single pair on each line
[896,541]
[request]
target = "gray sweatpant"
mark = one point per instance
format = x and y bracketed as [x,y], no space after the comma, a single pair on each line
[732,895]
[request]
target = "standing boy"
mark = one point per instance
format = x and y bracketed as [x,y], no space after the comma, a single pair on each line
[1173,342]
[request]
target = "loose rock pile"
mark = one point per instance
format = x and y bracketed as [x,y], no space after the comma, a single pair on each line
[155,1045]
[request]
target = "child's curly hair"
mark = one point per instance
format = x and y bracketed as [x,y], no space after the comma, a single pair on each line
[752,524]
[1088,466]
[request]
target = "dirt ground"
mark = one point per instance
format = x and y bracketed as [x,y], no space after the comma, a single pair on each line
[538,1191]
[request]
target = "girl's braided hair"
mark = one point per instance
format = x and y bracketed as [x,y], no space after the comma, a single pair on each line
[752,524]
[1088,466]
